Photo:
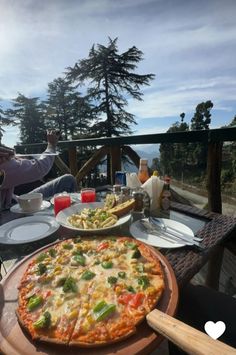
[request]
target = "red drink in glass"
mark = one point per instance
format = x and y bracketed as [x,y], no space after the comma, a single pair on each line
[88,195]
[61,202]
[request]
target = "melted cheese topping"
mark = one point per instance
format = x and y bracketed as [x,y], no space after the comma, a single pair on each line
[70,288]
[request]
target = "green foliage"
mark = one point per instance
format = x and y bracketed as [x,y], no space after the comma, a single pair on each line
[109,76]
[202,116]
[67,110]
[174,156]
[4,121]
[27,113]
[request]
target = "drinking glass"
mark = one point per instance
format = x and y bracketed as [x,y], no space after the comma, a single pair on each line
[61,202]
[88,194]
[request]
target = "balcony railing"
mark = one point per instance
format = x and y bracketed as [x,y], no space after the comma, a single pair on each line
[115,147]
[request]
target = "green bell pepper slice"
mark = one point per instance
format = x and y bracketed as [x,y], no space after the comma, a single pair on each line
[99,306]
[107,264]
[106,311]
[88,275]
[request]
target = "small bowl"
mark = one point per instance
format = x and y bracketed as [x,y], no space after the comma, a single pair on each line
[30,202]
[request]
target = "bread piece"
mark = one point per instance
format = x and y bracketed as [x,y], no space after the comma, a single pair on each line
[110,201]
[122,208]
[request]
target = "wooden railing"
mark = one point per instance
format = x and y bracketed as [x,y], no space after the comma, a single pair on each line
[117,146]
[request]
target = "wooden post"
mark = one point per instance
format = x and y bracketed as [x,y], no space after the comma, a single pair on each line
[91,163]
[127,150]
[62,166]
[73,160]
[115,153]
[214,161]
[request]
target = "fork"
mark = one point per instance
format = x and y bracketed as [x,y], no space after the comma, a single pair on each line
[147,229]
[158,223]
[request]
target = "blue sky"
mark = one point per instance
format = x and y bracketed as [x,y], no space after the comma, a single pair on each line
[189,45]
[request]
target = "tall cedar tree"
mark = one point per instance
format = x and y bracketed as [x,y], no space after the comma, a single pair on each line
[110,77]
[174,156]
[27,113]
[67,110]
[4,121]
[201,121]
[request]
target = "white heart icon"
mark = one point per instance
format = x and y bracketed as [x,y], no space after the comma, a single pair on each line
[215,330]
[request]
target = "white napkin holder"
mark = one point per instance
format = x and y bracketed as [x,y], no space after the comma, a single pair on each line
[153,186]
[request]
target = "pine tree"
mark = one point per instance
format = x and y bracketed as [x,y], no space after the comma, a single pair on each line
[111,79]
[67,110]
[202,116]
[4,121]
[26,112]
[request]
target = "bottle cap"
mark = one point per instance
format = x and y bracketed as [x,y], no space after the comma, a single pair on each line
[143,161]
[155,173]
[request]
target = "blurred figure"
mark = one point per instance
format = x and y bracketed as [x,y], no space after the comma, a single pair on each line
[16,171]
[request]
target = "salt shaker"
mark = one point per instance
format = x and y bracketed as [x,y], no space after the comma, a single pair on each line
[138,209]
[125,193]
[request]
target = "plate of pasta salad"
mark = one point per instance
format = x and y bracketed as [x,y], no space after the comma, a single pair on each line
[90,217]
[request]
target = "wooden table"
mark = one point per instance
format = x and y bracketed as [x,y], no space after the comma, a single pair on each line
[186,262]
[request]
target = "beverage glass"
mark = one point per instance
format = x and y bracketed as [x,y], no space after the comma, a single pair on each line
[61,202]
[88,195]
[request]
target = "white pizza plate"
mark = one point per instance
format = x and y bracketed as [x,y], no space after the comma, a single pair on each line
[156,241]
[77,208]
[75,197]
[17,209]
[27,229]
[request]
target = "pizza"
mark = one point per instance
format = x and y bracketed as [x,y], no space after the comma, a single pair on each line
[89,291]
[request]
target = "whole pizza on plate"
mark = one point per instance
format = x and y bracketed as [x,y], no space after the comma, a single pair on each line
[89,291]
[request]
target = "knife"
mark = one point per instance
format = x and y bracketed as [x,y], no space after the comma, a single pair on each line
[162,233]
[147,229]
[157,223]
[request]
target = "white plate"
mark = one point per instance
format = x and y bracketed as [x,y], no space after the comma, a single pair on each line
[156,241]
[27,229]
[17,209]
[75,197]
[64,214]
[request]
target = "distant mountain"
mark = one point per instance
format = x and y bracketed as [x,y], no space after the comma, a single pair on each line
[145,152]
[149,152]
[148,155]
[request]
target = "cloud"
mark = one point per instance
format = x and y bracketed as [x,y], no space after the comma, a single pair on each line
[171,100]
[189,45]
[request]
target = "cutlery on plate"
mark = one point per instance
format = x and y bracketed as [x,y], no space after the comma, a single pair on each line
[156,222]
[146,229]
[168,236]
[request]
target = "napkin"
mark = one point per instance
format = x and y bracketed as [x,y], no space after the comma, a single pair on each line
[132,180]
[154,186]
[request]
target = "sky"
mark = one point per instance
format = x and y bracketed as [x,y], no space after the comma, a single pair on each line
[189,45]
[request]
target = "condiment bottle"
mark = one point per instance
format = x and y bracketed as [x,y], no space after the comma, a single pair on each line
[138,209]
[125,193]
[138,201]
[166,195]
[143,174]
[117,192]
